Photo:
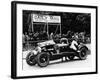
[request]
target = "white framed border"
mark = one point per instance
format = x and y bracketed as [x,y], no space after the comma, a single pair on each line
[41,72]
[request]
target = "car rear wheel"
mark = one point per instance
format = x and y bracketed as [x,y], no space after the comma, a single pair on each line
[30,59]
[83,53]
[43,59]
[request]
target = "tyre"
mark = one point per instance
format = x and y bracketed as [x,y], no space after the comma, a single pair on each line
[30,59]
[83,53]
[71,57]
[43,59]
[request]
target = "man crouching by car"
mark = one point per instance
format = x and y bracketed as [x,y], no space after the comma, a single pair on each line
[74,44]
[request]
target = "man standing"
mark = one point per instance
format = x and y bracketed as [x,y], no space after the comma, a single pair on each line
[51,36]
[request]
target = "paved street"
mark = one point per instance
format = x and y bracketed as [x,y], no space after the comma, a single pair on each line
[59,64]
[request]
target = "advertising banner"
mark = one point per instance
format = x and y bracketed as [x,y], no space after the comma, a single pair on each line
[46,18]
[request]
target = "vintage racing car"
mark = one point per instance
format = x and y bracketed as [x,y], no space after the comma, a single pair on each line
[49,50]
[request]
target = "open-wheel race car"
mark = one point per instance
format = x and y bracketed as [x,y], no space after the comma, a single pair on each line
[49,50]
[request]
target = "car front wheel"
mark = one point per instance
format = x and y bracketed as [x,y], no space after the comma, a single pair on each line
[43,59]
[30,59]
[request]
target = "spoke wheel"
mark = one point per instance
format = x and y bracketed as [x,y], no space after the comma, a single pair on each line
[83,54]
[43,59]
[30,59]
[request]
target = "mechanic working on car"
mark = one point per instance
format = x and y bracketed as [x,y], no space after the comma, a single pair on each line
[37,49]
[74,44]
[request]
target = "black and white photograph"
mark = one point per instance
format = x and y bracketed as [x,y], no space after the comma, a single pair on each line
[54,39]
[51,36]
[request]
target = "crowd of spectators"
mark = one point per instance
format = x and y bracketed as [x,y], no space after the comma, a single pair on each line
[43,35]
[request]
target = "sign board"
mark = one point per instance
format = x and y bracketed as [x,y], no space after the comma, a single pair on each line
[46,18]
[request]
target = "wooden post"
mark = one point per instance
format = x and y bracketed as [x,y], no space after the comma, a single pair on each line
[32,22]
[47,30]
[60,29]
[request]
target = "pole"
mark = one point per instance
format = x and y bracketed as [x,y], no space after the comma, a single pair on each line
[47,30]
[32,22]
[60,29]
